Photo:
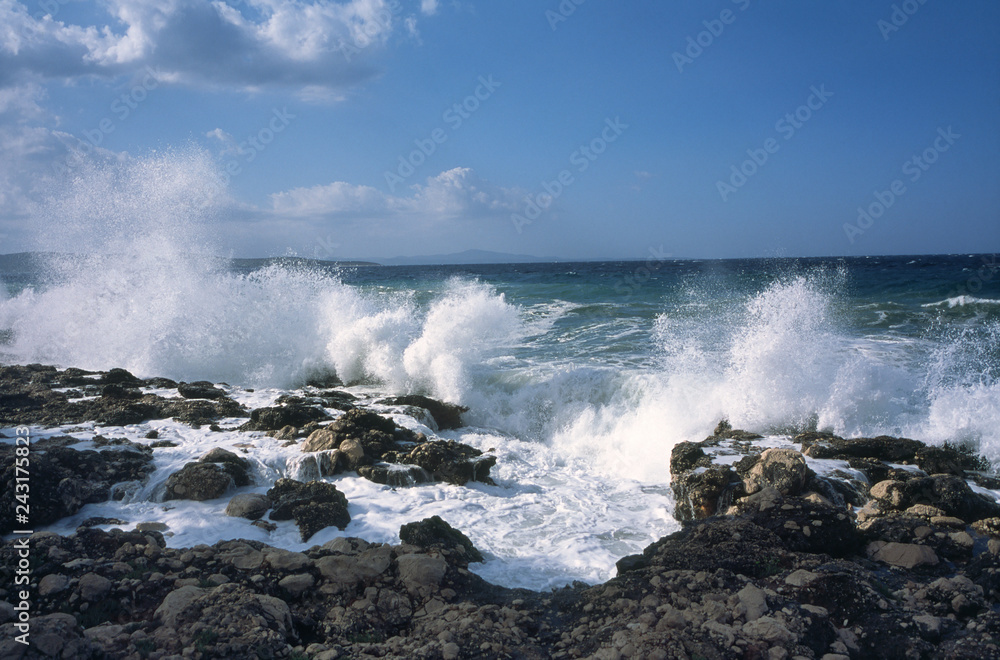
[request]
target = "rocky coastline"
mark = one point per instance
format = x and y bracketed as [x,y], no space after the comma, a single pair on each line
[815,547]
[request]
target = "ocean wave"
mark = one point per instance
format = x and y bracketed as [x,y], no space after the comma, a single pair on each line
[962,301]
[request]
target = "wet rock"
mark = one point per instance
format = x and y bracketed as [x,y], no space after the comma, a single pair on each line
[435,532]
[248,505]
[72,479]
[312,505]
[236,466]
[952,495]
[446,415]
[702,493]
[395,475]
[883,448]
[782,469]
[201,389]
[199,482]
[276,418]
[451,462]
[27,398]
[687,456]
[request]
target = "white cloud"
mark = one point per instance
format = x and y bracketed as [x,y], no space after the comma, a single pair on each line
[429,7]
[319,46]
[456,193]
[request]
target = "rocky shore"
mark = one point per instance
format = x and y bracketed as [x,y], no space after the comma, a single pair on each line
[813,546]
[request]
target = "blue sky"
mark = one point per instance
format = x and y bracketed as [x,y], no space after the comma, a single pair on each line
[575,129]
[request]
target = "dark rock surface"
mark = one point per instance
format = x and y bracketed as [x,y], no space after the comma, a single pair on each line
[71,478]
[446,415]
[312,505]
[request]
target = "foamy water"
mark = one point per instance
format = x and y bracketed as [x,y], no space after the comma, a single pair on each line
[581,387]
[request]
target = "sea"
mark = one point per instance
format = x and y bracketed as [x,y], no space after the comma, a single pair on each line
[579,377]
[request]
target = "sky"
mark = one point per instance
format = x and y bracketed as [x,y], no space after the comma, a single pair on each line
[574,129]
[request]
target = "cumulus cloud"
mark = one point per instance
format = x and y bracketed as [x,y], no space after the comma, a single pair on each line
[319,46]
[456,193]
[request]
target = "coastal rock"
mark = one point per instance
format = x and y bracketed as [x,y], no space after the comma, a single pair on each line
[312,505]
[952,495]
[446,415]
[451,462]
[236,466]
[72,479]
[905,555]
[435,532]
[783,469]
[394,475]
[248,505]
[686,456]
[321,440]
[28,398]
[201,389]
[704,492]
[276,418]
[199,482]
[883,448]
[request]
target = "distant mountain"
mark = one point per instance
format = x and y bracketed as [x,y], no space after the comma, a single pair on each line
[253,264]
[467,257]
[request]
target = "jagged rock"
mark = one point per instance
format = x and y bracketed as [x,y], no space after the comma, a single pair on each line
[725,430]
[276,418]
[28,398]
[248,505]
[237,466]
[199,482]
[51,636]
[312,505]
[72,479]
[890,494]
[782,469]
[435,532]
[883,448]
[452,462]
[700,494]
[394,475]
[321,440]
[446,415]
[687,456]
[421,571]
[952,495]
[201,389]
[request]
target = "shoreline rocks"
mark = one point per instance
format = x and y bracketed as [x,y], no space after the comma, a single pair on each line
[881,549]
